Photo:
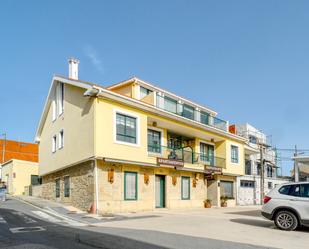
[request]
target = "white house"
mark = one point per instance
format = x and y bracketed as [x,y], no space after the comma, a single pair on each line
[249,185]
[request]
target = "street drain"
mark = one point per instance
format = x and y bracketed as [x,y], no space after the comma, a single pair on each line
[26,229]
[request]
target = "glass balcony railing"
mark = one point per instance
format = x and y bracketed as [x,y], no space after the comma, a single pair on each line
[189,112]
[186,155]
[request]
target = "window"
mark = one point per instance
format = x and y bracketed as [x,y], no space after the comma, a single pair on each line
[258,169]
[207,153]
[285,190]
[204,118]
[185,188]
[188,111]
[304,190]
[270,185]
[57,183]
[170,105]
[269,171]
[247,184]
[35,180]
[252,139]
[66,186]
[226,189]
[130,185]
[61,140]
[60,98]
[126,128]
[54,110]
[144,92]
[54,144]
[154,141]
[234,154]
[248,167]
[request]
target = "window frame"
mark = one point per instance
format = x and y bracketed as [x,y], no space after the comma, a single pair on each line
[250,184]
[161,140]
[54,143]
[57,192]
[189,187]
[60,98]
[236,159]
[230,182]
[125,186]
[61,139]
[188,108]
[137,127]
[66,192]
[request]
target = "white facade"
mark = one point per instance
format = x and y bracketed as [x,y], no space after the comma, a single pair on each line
[249,185]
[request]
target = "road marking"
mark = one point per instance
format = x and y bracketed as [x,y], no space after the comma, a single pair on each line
[2,221]
[46,216]
[27,219]
[26,229]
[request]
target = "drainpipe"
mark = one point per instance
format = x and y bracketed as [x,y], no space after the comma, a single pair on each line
[96,185]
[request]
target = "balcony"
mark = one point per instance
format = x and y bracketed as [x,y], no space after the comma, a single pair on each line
[186,155]
[189,112]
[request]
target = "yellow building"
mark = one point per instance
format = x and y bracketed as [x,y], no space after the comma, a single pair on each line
[133,147]
[17,174]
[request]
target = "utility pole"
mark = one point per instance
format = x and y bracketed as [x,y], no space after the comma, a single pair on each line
[296,169]
[3,147]
[262,171]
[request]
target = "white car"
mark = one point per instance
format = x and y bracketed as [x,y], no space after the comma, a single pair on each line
[288,205]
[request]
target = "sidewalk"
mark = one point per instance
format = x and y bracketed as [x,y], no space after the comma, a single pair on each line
[64,212]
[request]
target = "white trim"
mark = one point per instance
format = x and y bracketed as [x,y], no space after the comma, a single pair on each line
[130,114]
[54,143]
[238,156]
[61,139]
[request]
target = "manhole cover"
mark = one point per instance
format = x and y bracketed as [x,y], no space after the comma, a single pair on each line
[26,229]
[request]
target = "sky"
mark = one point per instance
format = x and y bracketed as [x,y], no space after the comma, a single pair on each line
[247,60]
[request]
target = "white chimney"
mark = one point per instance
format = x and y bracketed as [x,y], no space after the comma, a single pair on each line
[73,68]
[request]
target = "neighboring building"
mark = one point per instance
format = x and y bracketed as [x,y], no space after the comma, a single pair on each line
[249,185]
[10,149]
[17,174]
[302,171]
[133,146]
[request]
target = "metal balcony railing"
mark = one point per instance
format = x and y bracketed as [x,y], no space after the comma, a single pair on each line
[186,155]
[189,112]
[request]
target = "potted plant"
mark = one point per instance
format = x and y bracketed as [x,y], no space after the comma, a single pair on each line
[223,200]
[207,203]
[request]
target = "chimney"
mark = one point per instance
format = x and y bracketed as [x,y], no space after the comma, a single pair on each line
[73,68]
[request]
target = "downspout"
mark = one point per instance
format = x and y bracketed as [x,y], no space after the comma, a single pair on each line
[96,185]
[94,92]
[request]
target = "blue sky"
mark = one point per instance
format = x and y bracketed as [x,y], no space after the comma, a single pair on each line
[248,60]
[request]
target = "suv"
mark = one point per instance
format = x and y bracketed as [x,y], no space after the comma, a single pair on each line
[288,205]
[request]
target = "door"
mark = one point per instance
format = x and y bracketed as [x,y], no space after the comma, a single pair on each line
[160,191]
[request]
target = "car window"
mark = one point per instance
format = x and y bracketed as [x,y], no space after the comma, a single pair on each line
[304,190]
[295,190]
[285,190]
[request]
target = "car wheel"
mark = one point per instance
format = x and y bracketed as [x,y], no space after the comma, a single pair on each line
[286,220]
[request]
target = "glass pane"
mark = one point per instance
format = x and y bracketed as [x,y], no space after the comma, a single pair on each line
[226,188]
[154,141]
[204,118]
[130,186]
[188,111]
[170,105]
[185,188]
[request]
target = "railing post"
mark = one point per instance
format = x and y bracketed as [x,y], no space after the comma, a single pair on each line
[197,115]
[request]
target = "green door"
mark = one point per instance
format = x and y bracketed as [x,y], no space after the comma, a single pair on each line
[160,191]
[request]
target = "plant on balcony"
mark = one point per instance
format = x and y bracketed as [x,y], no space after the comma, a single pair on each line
[223,200]
[207,203]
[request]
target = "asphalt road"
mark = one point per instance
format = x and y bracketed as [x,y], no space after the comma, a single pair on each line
[22,227]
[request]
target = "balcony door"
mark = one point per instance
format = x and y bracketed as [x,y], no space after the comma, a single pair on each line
[207,154]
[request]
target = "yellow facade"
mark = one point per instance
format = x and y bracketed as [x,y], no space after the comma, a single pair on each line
[17,175]
[89,125]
